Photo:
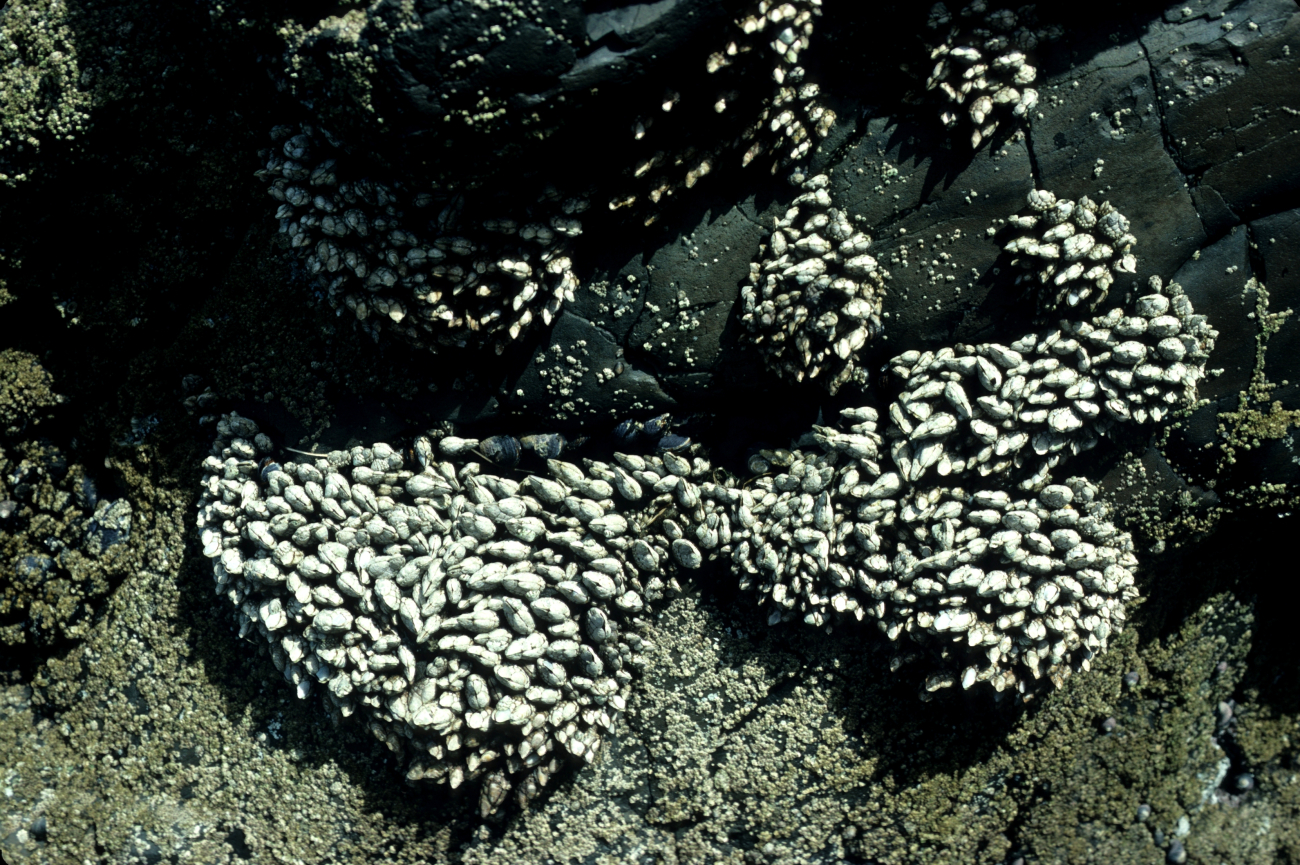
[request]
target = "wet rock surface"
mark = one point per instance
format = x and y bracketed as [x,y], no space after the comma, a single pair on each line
[136,725]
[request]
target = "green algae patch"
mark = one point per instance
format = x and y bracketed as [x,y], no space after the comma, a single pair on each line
[45,93]
[62,547]
[1258,417]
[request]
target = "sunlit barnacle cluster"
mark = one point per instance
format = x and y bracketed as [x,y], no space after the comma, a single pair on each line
[482,626]
[777,130]
[1016,410]
[794,120]
[947,529]
[432,265]
[996,588]
[1076,250]
[981,68]
[813,300]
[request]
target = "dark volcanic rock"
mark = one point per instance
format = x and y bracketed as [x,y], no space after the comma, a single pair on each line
[649,331]
[1215,280]
[1100,135]
[1224,81]
[929,208]
[465,89]
[580,378]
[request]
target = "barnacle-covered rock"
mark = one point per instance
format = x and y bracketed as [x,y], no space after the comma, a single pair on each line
[813,301]
[1075,249]
[1015,410]
[776,127]
[1002,589]
[433,265]
[920,529]
[482,625]
[793,112]
[981,68]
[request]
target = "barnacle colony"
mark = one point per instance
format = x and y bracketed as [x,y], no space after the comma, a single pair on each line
[1019,408]
[481,625]
[905,528]
[1003,586]
[1001,589]
[454,267]
[813,300]
[980,67]
[485,625]
[1081,247]
[416,262]
[779,129]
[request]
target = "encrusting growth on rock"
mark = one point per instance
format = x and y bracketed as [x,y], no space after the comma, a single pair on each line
[814,298]
[980,67]
[483,626]
[430,265]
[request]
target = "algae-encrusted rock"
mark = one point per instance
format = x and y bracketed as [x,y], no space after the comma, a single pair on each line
[26,392]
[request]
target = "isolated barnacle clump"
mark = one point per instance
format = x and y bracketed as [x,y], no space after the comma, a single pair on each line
[1076,252]
[981,68]
[813,299]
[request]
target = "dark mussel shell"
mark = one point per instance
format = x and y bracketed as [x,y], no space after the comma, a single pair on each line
[548,446]
[628,431]
[502,450]
[674,442]
[269,465]
[657,426]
